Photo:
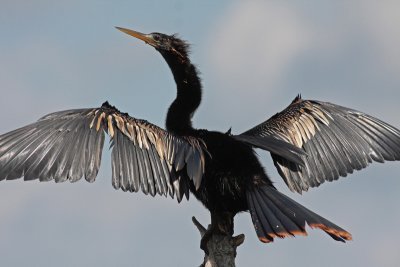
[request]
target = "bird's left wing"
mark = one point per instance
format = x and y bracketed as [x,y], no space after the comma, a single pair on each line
[67,145]
[336,140]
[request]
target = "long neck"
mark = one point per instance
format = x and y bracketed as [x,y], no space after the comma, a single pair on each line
[188,96]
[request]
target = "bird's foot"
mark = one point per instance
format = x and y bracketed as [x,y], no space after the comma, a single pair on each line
[206,234]
[206,237]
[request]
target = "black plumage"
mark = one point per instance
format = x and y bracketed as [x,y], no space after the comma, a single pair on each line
[310,142]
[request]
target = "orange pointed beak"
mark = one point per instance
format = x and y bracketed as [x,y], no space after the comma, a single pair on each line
[147,38]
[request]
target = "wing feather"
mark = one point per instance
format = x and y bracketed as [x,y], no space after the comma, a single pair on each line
[67,145]
[335,140]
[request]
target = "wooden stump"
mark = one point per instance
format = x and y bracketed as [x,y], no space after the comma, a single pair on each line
[221,246]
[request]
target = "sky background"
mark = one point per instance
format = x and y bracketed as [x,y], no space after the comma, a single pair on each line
[254,58]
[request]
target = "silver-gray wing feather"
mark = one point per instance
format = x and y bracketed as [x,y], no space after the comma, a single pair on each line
[67,145]
[336,140]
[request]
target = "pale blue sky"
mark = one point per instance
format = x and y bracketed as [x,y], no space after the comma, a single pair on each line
[254,58]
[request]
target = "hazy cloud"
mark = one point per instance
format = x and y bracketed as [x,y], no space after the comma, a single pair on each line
[260,37]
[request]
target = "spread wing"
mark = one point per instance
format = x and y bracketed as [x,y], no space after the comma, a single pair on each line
[67,145]
[337,141]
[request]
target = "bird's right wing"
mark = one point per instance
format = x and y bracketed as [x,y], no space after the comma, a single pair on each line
[336,140]
[67,145]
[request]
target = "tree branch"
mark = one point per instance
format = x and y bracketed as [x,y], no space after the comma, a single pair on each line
[221,246]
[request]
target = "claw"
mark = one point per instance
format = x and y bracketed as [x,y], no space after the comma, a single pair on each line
[205,238]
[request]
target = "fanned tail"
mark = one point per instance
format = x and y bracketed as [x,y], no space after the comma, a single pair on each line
[276,215]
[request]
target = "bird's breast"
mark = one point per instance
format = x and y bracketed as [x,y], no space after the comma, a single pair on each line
[229,168]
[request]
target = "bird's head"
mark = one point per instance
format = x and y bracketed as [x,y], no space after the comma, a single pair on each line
[167,45]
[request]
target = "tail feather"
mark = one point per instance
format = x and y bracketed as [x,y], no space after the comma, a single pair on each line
[288,211]
[279,222]
[276,215]
[261,225]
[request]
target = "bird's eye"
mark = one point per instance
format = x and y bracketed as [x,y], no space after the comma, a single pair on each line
[156,37]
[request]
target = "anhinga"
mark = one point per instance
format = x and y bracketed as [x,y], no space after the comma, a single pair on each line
[310,142]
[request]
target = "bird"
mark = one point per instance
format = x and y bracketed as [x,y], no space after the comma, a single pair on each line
[310,142]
